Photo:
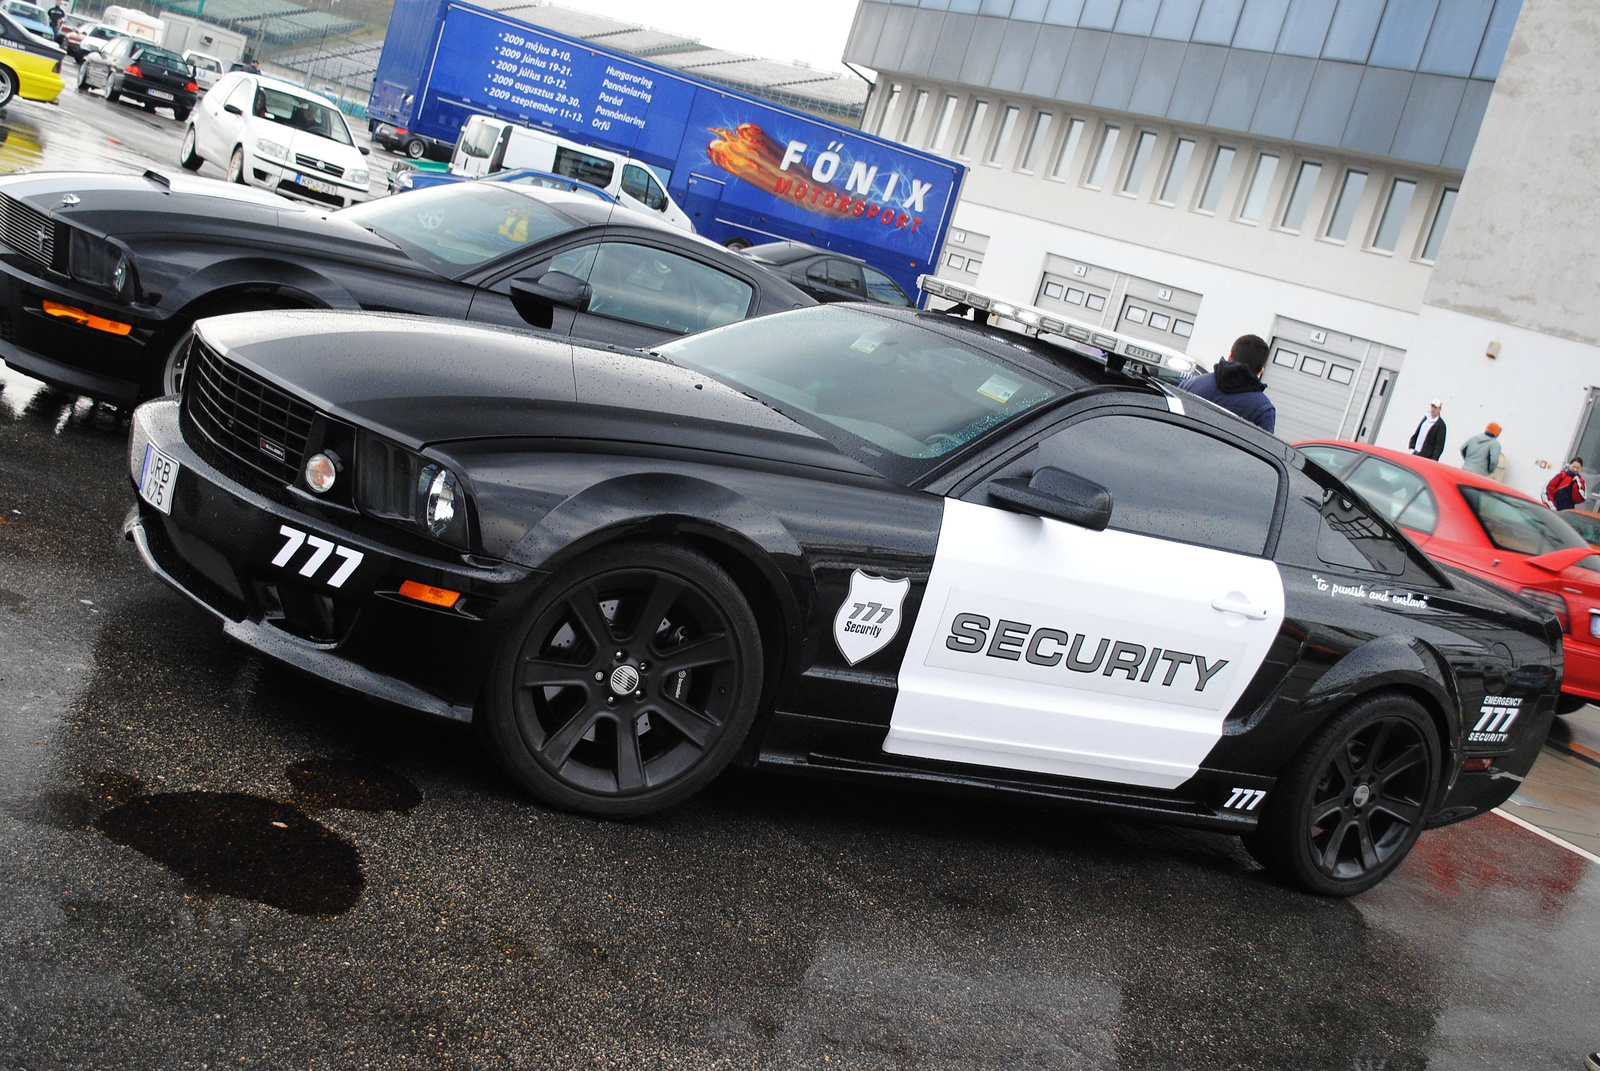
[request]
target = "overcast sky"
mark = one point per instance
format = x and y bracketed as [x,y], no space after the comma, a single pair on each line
[814,31]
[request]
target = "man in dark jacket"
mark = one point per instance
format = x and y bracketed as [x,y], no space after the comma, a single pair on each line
[1235,384]
[1428,439]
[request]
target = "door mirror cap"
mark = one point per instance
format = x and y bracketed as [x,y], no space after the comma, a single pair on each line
[232,109]
[1056,493]
[364,150]
[536,299]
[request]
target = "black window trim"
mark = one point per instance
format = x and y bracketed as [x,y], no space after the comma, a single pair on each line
[1155,408]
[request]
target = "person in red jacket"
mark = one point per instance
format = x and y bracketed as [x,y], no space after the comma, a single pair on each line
[1566,489]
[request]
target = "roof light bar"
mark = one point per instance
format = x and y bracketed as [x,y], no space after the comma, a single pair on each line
[1049,323]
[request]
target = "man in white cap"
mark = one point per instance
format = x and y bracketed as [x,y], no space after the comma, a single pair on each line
[1428,439]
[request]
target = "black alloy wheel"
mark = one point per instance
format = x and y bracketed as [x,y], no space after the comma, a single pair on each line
[167,377]
[1355,800]
[630,683]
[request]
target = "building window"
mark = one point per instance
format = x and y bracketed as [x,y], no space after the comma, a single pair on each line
[1305,183]
[1312,365]
[1341,374]
[1256,199]
[1394,214]
[1135,314]
[1052,290]
[1441,220]
[1287,358]
[973,264]
[889,109]
[1094,303]
[1344,212]
[941,127]
[1002,134]
[1159,321]
[1141,160]
[1182,328]
[1069,148]
[980,108]
[1102,158]
[1220,166]
[1177,170]
[1037,141]
[956,261]
[918,106]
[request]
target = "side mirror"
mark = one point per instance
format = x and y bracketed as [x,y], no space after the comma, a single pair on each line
[232,109]
[536,299]
[1052,492]
[364,150]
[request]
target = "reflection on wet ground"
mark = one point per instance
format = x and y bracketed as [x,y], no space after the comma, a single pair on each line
[207,859]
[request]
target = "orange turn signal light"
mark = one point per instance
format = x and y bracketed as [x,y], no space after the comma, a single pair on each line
[431,595]
[87,319]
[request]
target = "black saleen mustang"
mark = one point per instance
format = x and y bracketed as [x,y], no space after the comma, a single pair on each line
[849,539]
[101,276]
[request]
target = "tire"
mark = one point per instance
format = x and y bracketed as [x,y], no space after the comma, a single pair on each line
[8,85]
[83,78]
[187,157]
[642,737]
[167,377]
[416,148]
[181,114]
[736,244]
[236,166]
[1321,831]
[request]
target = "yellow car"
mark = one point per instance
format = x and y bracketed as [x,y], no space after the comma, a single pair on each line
[29,65]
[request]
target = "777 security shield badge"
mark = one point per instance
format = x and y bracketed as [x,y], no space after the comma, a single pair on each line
[870,615]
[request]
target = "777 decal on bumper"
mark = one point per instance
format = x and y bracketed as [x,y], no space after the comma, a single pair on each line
[1494,721]
[321,551]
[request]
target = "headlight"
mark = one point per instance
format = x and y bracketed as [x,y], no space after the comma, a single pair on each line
[360,176]
[97,262]
[401,486]
[267,147]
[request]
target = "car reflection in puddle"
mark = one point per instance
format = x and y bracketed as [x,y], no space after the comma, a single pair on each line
[21,145]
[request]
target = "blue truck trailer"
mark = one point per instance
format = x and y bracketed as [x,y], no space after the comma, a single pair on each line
[744,169]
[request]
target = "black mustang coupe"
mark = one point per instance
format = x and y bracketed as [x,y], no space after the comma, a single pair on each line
[101,276]
[852,540]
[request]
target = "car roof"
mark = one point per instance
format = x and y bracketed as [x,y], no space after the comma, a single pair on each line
[783,252]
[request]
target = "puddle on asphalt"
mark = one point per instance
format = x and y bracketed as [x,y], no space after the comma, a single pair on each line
[322,784]
[235,844]
[21,144]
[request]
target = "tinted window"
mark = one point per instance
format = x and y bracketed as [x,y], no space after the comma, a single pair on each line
[1351,537]
[1333,458]
[1393,491]
[637,183]
[1586,524]
[653,287]
[160,57]
[460,225]
[301,113]
[882,288]
[867,383]
[240,97]
[1521,526]
[1171,482]
[585,167]
[838,274]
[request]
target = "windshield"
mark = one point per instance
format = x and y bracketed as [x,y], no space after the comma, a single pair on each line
[105,33]
[205,63]
[881,389]
[478,139]
[1524,527]
[460,226]
[160,57]
[301,113]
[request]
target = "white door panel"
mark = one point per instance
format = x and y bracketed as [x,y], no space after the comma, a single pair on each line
[1046,647]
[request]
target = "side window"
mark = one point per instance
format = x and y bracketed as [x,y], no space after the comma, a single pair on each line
[1347,535]
[839,274]
[240,97]
[656,288]
[1394,491]
[584,167]
[1169,481]
[1333,458]
[882,288]
[638,184]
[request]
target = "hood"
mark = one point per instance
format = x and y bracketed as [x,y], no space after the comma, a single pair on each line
[305,143]
[422,381]
[1234,378]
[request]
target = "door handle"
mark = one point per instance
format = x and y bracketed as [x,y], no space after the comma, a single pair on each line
[1240,607]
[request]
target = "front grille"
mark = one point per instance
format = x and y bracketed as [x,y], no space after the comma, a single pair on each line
[313,164]
[296,190]
[27,230]
[245,416]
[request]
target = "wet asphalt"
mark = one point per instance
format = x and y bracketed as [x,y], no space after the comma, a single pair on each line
[208,861]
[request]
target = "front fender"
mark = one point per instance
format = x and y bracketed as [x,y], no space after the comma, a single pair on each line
[257,274]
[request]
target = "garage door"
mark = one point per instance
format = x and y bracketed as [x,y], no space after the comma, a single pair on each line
[1311,390]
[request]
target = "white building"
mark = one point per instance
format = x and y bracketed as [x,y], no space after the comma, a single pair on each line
[1194,170]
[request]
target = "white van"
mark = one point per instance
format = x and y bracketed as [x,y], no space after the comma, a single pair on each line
[489,145]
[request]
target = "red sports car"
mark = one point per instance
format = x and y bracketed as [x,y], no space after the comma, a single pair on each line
[1487,529]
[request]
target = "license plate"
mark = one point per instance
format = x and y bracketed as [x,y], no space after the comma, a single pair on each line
[313,184]
[157,478]
[159,95]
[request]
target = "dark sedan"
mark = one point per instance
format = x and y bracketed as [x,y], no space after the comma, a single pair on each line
[410,143]
[828,276]
[101,276]
[146,74]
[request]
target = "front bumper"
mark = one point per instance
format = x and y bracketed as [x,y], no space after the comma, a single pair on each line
[281,177]
[218,548]
[66,354]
